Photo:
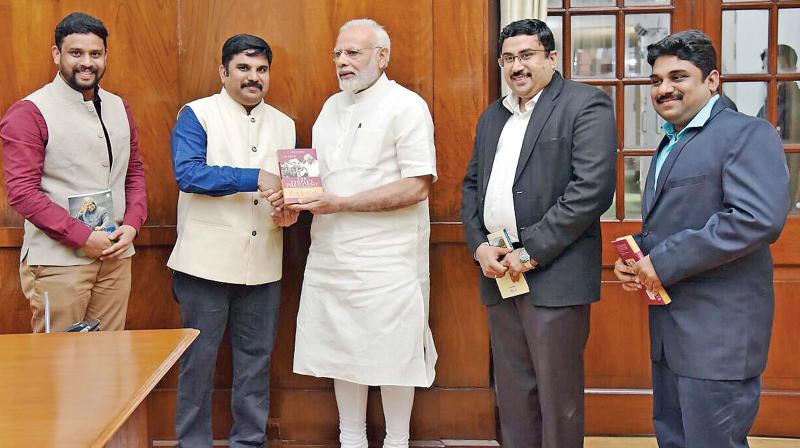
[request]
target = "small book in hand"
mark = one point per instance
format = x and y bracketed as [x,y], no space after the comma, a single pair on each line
[96,210]
[630,253]
[508,288]
[299,174]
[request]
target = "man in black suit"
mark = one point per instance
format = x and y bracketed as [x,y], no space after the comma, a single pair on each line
[716,196]
[543,168]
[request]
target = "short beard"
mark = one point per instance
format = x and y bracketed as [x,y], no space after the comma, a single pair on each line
[72,81]
[363,78]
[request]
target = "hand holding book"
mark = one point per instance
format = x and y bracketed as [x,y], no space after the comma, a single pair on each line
[635,271]
[490,259]
[508,286]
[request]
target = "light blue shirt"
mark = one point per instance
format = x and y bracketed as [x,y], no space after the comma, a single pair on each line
[698,121]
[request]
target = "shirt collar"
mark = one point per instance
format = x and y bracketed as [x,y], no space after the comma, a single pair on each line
[698,121]
[238,106]
[64,89]
[511,102]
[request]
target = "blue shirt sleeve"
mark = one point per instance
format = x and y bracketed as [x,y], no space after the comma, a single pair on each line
[192,172]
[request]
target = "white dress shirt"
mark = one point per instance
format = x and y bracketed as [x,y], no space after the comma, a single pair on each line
[498,210]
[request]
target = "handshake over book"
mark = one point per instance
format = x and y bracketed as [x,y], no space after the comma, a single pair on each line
[299,174]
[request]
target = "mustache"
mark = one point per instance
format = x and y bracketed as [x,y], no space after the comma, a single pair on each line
[662,98]
[519,73]
[255,84]
[80,68]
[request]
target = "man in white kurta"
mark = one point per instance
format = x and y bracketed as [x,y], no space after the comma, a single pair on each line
[363,317]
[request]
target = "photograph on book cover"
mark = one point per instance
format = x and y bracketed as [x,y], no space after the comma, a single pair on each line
[96,210]
[299,163]
[299,174]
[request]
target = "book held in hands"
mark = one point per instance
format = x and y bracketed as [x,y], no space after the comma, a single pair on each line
[96,210]
[299,174]
[630,253]
[508,288]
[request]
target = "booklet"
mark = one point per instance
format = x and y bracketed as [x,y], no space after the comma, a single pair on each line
[630,253]
[508,288]
[96,210]
[299,174]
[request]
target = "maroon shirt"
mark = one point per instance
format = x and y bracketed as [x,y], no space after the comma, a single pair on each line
[24,134]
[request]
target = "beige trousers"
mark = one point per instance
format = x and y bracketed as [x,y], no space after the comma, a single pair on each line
[94,291]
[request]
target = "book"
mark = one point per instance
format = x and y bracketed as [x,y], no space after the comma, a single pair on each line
[508,288]
[299,174]
[630,253]
[96,210]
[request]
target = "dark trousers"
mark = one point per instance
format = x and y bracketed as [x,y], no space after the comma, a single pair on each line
[695,413]
[538,369]
[250,313]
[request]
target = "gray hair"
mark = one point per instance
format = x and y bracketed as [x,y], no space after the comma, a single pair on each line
[381,36]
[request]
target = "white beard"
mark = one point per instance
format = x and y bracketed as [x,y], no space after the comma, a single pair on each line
[362,79]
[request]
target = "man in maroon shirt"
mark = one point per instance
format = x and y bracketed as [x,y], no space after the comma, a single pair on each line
[72,139]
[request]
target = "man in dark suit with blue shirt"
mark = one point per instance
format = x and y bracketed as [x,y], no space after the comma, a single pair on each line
[716,196]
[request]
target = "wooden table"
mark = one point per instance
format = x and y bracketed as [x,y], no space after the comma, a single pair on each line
[79,389]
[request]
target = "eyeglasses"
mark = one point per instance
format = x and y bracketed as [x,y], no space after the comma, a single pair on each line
[351,54]
[525,56]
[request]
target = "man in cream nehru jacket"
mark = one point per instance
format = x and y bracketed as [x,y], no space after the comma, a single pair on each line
[363,316]
[227,258]
[73,138]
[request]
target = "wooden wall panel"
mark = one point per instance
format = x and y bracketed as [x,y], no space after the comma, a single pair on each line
[15,316]
[458,320]
[618,352]
[464,84]
[164,53]
[302,37]
[142,69]
[783,368]
[630,412]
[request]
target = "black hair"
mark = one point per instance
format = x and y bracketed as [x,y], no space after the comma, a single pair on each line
[690,45]
[80,23]
[247,44]
[784,51]
[530,27]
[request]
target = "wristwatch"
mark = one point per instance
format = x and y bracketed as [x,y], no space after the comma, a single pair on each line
[525,259]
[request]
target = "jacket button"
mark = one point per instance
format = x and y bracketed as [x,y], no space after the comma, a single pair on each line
[522,228]
[255,202]
[254,233]
[520,192]
[254,149]
[645,233]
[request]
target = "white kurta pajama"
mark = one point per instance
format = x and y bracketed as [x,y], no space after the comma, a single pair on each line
[363,312]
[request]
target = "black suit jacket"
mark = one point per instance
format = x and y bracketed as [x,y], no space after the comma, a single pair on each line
[722,197]
[564,181]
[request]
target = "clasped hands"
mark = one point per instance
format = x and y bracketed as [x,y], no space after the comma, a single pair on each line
[496,261]
[108,246]
[642,275]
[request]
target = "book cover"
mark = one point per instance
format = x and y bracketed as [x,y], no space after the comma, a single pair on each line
[630,253]
[508,288]
[299,174]
[96,210]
